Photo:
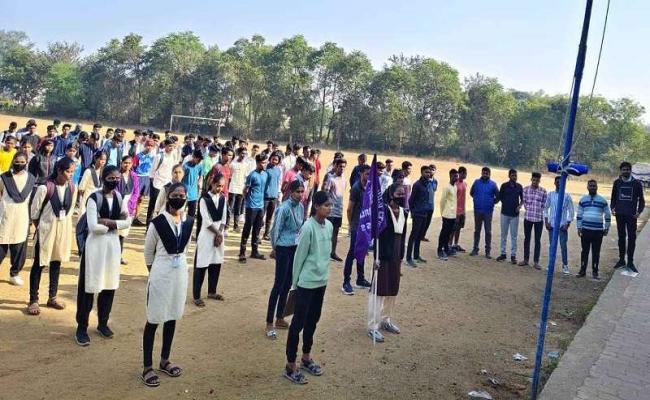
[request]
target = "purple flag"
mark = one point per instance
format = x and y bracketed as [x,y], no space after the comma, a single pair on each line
[372,219]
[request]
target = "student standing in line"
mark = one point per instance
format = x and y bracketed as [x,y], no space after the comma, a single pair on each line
[356,171]
[7,153]
[26,147]
[161,201]
[165,254]
[432,187]
[627,205]
[15,191]
[289,176]
[485,194]
[161,174]
[309,277]
[286,228]
[391,253]
[42,165]
[99,269]
[353,213]
[305,176]
[213,209]
[254,199]
[335,186]
[91,179]
[552,202]
[51,213]
[511,196]
[129,188]
[461,202]
[271,191]
[143,165]
[448,206]
[192,179]
[592,211]
[419,201]
[237,183]
[534,200]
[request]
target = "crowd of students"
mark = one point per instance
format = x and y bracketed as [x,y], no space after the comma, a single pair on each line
[298,202]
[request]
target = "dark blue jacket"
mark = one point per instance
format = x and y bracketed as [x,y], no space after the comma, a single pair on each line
[485,195]
[421,197]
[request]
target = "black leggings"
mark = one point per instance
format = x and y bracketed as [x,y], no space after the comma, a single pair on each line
[282,282]
[85,302]
[309,303]
[213,279]
[149,336]
[35,276]
[18,254]
[269,210]
[252,227]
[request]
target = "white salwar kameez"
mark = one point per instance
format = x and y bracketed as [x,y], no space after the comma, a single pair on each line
[55,234]
[102,252]
[87,186]
[167,285]
[206,252]
[14,217]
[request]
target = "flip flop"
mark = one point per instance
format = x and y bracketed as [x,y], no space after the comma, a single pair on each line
[150,378]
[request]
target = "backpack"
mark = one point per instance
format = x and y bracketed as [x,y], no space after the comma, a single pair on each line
[51,187]
[81,230]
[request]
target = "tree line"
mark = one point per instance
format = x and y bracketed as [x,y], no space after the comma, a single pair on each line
[327,95]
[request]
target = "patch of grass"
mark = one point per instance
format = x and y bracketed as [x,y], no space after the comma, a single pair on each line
[563,343]
[583,311]
[547,370]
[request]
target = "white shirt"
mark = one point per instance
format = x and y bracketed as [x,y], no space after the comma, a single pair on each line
[162,171]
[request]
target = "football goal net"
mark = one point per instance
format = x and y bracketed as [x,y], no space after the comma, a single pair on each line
[186,124]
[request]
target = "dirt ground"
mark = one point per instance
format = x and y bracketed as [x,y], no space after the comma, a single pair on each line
[457,318]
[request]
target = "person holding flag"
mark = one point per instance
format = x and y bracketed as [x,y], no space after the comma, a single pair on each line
[390,252]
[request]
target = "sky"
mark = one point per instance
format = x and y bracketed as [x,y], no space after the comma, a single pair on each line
[528,45]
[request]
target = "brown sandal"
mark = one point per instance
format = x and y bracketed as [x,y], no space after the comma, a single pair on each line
[199,302]
[55,303]
[215,296]
[33,309]
[170,369]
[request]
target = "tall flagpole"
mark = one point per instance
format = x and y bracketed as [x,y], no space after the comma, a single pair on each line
[564,163]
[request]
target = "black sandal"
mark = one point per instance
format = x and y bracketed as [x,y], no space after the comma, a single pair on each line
[149,378]
[171,369]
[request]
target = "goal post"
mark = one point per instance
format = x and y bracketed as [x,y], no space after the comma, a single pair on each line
[201,122]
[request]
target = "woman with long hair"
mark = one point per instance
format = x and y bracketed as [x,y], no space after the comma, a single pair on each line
[99,269]
[165,253]
[51,213]
[161,201]
[91,179]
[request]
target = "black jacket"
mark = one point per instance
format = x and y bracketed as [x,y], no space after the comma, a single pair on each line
[387,238]
[627,197]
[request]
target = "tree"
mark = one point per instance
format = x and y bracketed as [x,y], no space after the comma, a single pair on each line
[64,89]
[21,75]
[63,52]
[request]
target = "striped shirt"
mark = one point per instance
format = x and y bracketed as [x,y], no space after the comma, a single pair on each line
[551,205]
[591,212]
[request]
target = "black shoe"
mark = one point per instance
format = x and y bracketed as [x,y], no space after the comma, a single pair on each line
[363,284]
[595,277]
[473,253]
[580,275]
[459,249]
[619,264]
[425,239]
[258,256]
[421,260]
[105,331]
[137,222]
[501,257]
[513,260]
[82,338]
[632,268]
[335,257]
[442,256]
[488,256]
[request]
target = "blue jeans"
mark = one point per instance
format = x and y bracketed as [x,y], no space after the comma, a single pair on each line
[563,238]
[282,283]
[511,224]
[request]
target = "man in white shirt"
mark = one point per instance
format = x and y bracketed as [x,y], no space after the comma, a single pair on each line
[161,174]
[238,174]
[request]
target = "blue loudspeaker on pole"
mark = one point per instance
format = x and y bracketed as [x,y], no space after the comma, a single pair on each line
[566,168]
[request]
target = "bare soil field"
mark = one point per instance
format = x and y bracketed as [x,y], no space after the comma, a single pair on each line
[457,318]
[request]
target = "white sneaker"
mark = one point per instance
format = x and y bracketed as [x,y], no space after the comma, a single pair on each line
[16,280]
[565,270]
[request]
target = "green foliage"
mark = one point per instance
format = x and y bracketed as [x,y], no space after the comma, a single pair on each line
[323,95]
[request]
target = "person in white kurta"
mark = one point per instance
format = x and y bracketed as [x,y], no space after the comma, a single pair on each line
[165,253]
[51,211]
[210,244]
[99,270]
[91,179]
[161,201]
[14,215]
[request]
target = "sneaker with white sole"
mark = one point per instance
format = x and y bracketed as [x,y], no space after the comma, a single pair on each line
[565,270]
[390,327]
[16,280]
[376,335]
[347,289]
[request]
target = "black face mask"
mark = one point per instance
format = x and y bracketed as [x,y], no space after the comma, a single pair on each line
[400,201]
[111,185]
[176,203]
[19,167]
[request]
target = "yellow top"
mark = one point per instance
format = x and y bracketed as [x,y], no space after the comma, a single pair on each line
[448,202]
[6,157]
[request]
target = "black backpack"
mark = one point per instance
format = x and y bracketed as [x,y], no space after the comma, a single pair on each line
[81,230]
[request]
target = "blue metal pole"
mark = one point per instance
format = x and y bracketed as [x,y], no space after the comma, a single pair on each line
[580,63]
